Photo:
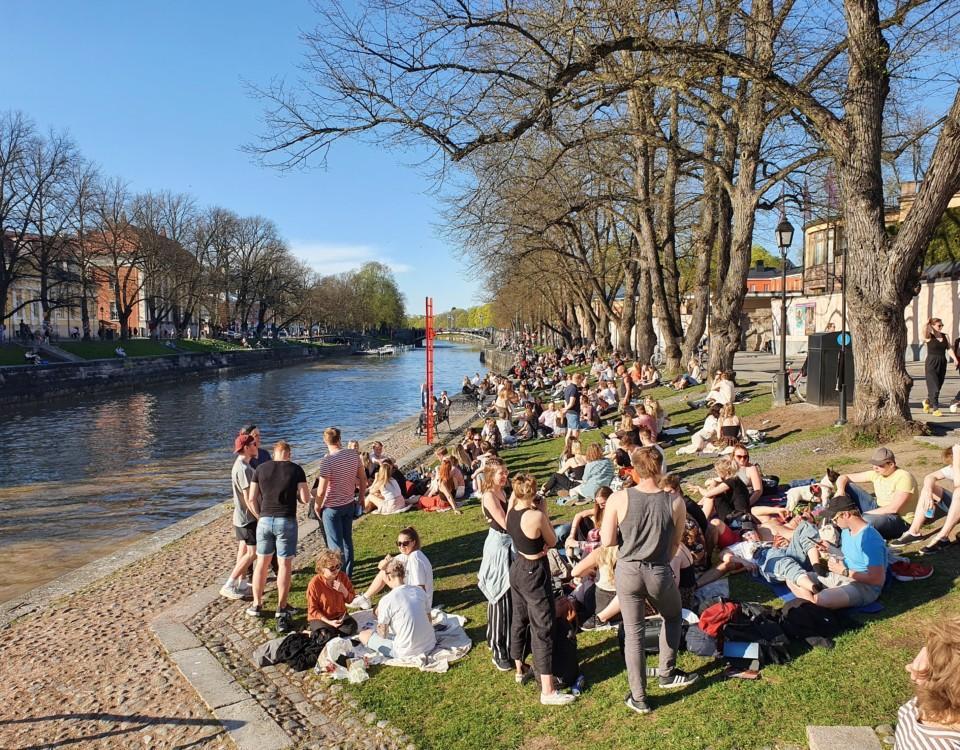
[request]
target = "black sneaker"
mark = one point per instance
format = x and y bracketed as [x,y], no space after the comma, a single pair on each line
[284,623]
[679,679]
[287,610]
[637,706]
[502,665]
[906,539]
[590,623]
[254,610]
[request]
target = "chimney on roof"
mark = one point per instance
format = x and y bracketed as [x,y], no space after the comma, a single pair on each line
[759,266]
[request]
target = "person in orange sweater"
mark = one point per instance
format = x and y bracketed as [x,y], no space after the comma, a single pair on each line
[328,594]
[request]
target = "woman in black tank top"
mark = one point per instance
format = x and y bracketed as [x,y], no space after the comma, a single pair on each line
[532,587]
[935,364]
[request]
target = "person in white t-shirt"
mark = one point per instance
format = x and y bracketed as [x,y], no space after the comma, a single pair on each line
[419,572]
[933,504]
[403,618]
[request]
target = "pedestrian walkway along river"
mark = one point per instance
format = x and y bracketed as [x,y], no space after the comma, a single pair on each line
[79,479]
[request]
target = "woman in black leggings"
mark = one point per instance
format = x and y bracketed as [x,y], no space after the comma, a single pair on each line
[532,588]
[935,365]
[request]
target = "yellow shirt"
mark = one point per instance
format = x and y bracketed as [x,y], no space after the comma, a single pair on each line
[900,481]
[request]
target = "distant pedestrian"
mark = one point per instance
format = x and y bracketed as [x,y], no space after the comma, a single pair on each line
[343,483]
[935,364]
[244,522]
[273,495]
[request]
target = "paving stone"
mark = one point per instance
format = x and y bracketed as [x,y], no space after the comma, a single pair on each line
[215,685]
[174,636]
[251,728]
[848,738]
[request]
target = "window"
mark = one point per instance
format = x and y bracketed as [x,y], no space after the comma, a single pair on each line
[113,311]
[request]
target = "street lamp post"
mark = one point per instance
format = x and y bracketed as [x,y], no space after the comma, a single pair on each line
[784,240]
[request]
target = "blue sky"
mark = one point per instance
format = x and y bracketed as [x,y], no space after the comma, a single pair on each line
[154,93]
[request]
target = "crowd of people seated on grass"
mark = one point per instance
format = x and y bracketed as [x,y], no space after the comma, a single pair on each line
[646,546]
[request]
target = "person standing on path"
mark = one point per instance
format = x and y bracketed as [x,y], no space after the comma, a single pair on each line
[935,364]
[571,407]
[262,455]
[533,614]
[648,524]
[274,491]
[343,483]
[244,522]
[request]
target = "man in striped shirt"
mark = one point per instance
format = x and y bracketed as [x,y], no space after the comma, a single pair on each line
[341,476]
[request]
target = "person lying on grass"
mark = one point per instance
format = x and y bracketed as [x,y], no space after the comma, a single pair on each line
[774,564]
[419,572]
[403,618]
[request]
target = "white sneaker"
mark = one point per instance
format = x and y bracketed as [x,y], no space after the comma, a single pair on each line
[230,592]
[953,408]
[360,602]
[556,698]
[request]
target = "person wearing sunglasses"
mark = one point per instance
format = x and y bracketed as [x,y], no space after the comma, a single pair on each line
[328,594]
[418,571]
[749,473]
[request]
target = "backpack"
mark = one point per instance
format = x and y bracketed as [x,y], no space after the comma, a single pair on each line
[714,617]
[700,643]
[756,623]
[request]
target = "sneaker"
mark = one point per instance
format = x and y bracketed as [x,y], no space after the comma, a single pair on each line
[503,666]
[245,589]
[284,623]
[360,602]
[591,623]
[229,591]
[556,698]
[524,677]
[287,610]
[254,610]
[679,679]
[953,408]
[637,706]
[937,413]
[906,538]
[926,406]
[908,571]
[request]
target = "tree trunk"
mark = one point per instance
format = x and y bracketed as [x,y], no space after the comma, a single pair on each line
[628,312]
[604,345]
[646,337]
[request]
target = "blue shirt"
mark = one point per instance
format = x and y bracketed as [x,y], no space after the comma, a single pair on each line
[863,549]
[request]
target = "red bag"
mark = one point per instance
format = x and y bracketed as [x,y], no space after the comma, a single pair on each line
[714,617]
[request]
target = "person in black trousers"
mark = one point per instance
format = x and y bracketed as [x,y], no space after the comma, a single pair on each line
[532,588]
[935,365]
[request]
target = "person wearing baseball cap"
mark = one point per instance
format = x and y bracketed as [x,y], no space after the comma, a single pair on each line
[857,574]
[894,501]
[244,522]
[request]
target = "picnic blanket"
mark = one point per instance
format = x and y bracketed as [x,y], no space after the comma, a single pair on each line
[453,644]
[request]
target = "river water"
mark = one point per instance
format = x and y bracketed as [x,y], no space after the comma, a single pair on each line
[78,479]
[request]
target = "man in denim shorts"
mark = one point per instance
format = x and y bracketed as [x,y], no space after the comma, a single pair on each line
[274,491]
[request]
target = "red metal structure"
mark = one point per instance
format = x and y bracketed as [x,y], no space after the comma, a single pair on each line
[428,407]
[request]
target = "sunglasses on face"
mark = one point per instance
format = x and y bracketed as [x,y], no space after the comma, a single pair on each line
[335,568]
[404,542]
[741,455]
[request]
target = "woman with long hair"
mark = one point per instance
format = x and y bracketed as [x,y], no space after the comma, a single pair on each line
[531,585]
[446,488]
[935,364]
[384,495]
[494,576]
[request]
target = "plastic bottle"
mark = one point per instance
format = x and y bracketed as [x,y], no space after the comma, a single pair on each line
[578,685]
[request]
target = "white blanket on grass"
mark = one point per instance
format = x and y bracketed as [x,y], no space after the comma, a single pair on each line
[453,644]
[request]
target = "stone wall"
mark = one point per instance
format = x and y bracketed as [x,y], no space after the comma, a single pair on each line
[25,383]
[497,361]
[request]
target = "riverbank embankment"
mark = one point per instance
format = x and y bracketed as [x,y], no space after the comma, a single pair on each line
[25,384]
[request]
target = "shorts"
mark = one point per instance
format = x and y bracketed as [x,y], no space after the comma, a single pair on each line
[573,420]
[277,535]
[380,644]
[246,534]
[727,537]
[859,594]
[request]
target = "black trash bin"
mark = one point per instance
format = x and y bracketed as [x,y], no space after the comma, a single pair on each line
[823,361]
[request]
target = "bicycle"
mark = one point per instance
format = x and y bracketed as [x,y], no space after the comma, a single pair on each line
[658,358]
[796,382]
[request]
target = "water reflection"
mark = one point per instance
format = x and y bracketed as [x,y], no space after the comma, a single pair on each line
[88,475]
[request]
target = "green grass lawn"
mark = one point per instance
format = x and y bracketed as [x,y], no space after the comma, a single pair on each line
[207,345]
[861,681]
[12,354]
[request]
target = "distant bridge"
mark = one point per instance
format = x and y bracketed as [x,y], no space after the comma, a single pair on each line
[463,334]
